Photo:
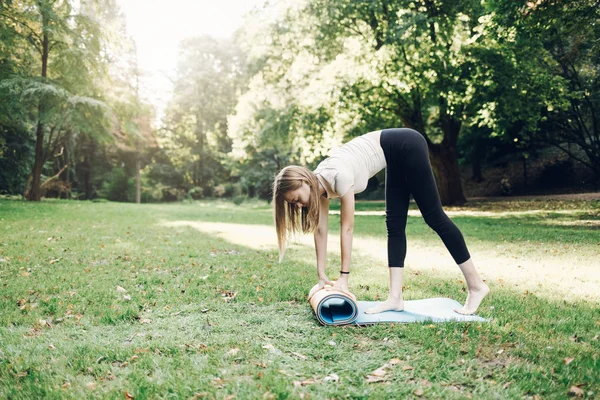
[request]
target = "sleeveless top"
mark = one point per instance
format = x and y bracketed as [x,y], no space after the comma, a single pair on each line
[351,165]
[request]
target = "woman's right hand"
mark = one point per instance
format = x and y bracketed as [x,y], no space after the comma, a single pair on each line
[324,280]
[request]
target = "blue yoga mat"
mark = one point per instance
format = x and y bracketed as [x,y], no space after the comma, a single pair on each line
[340,308]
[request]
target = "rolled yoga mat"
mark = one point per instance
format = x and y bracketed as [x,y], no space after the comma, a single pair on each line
[335,307]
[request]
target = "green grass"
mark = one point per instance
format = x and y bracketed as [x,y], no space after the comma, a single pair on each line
[67,331]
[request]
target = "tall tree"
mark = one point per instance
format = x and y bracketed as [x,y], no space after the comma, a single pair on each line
[570,35]
[195,126]
[68,49]
[424,68]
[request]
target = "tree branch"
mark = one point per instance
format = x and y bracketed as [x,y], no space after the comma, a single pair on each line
[47,181]
[34,33]
[570,153]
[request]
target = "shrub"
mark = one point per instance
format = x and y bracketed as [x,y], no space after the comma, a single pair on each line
[196,193]
[237,200]
[118,187]
[556,174]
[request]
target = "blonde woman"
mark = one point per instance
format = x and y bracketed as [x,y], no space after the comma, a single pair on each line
[301,201]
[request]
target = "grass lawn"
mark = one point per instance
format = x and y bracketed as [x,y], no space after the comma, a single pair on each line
[109,300]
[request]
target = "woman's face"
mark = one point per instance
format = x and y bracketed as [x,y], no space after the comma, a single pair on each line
[298,196]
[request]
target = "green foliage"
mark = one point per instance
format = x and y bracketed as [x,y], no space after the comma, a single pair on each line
[118,186]
[16,149]
[506,76]
[194,133]
[87,92]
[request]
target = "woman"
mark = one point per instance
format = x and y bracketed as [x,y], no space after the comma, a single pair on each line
[301,200]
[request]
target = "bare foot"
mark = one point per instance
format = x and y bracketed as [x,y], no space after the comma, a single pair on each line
[388,305]
[474,298]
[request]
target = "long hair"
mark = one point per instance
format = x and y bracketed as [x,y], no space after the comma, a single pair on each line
[288,217]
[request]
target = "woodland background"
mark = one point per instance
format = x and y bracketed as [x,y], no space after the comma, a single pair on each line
[506,93]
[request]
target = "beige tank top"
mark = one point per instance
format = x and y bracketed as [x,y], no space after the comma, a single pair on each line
[351,165]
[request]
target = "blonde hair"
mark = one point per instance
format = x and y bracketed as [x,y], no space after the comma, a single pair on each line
[288,217]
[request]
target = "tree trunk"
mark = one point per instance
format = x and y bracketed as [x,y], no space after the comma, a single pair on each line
[444,161]
[525,170]
[477,155]
[138,166]
[88,170]
[477,176]
[36,174]
[35,192]
[67,161]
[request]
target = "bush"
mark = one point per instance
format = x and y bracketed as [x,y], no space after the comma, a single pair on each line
[196,193]
[118,187]
[556,174]
[219,190]
[237,200]
[172,194]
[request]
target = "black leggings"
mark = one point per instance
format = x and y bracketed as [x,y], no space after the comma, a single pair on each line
[409,172]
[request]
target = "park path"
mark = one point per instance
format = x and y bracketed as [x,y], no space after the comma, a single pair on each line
[557,273]
[565,197]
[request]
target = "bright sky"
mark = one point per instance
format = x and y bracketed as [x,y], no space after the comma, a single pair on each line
[159,25]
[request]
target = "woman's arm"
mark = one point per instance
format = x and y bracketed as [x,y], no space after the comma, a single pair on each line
[321,238]
[346,233]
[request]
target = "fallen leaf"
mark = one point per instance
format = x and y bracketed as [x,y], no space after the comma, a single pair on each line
[574,338]
[575,391]
[66,385]
[91,385]
[145,321]
[233,352]
[230,397]
[129,396]
[51,347]
[300,356]
[218,382]
[304,382]
[568,360]
[425,382]
[407,368]
[121,289]
[418,392]
[228,295]
[268,396]
[375,379]
[379,374]
[271,348]
[142,350]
